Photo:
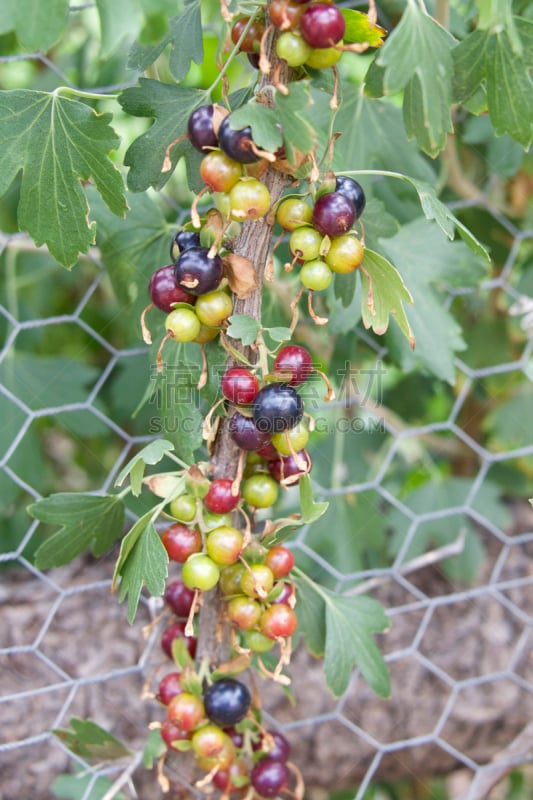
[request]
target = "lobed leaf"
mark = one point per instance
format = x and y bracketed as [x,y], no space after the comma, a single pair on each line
[152,453]
[62,142]
[37,25]
[359,29]
[384,293]
[88,522]
[91,741]
[143,560]
[243,327]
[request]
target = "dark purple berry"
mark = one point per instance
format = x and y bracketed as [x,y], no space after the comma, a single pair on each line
[227,702]
[164,291]
[244,432]
[196,273]
[182,241]
[200,128]
[333,214]
[269,777]
[236,144]
[179,598]
[276,408]
[353,191]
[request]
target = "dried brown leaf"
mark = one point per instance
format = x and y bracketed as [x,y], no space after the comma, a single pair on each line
[241,275]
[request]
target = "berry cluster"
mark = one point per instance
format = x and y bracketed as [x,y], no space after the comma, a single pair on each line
[219,531]
[311,34]
[217,724]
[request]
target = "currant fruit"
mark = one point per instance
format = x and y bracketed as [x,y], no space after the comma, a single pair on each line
[212,521]
[239,385]
[285,14]
[224,779]
[183,324]
[220,498]
[209,741]
[280,560]
[227,702]
[170,733]
[249,199]
[286,592]
[183,508]
[182,241]
[293,212]
[278,620]
[322,25]
[345,254]
[279,747]
[324,58]
[353,191]
[316,275]
[169,687]
[237,144]
[219,172]
[244,432]
[293,49]
[164,291]
[179,598]
[260,490]
[224,545]
[180,542]
[276,408]
[257,642]
[333,214]
[186,711]
[213,308]
[244,612]
[230,579]
[252,38]
[294,361]
[270,777]
[177,631]
[288,467]
[200,128]
[196,272]
[305,243]
[200,572]
[223,758]
[206,334]
[257,581]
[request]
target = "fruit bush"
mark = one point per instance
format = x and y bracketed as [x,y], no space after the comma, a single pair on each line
[291,172]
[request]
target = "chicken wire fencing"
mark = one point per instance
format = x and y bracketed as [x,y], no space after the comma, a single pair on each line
[459,651]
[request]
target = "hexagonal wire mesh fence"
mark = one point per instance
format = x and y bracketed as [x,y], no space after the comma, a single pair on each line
[67,649]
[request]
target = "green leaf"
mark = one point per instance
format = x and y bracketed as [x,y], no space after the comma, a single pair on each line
[37,25]
[119,19]
[62,142]
[359,29]
[154,749]
[384,293]
[311,511]
[488,58]
[170,106]
[143,560]
[417,57]
[341,628]
[88,522]
[350,623]
[437,333]
[243,327]
[311,617]
[185,36]
[90,741]
[153,453]
[279,334]
[295,115]
[263,122]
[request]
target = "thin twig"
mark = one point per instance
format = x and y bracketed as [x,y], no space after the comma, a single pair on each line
[420,562]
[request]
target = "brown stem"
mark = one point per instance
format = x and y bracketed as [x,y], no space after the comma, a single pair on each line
[214,641]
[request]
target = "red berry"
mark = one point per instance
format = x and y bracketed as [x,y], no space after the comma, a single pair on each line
[180,542]
[164,291]
[322,25]
[219,498]
[239,385]
[270,777]
[177,631]
[278,620]
[186,711]
[280,560]
[169,687]
[171,733]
